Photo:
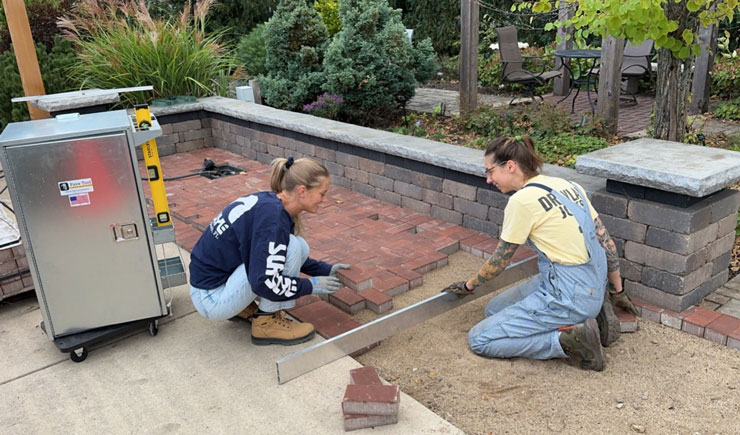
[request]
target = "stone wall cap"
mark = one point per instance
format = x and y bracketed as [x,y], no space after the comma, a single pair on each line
[669,166]
[453,157]
[76,99]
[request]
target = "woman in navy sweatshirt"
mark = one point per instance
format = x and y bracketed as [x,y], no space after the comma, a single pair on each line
[251,252]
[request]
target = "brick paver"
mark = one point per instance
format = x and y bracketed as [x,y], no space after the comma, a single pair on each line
[631,118]
[389,248]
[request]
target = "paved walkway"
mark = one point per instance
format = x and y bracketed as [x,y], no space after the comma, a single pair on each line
[631,119]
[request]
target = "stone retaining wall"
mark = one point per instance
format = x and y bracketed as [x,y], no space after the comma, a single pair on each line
[671,257]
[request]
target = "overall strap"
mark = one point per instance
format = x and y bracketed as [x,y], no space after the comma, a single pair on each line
[568,202]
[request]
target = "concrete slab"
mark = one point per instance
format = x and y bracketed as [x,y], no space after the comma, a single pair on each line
[195,376]
[669,166]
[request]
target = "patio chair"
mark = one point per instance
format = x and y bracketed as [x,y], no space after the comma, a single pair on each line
[514,70]
[635,65]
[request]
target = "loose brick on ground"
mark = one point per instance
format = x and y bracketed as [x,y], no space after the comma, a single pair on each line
[367,375]
[627,321]
[371,399]
[361,421]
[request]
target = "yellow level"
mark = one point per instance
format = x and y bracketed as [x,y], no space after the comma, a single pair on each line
[151,159]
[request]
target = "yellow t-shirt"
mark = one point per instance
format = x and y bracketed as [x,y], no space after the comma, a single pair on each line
[534,213]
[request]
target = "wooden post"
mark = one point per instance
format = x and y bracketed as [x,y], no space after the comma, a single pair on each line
[610,81]
[469,55]
[562,84]
[702,82]
[25,53]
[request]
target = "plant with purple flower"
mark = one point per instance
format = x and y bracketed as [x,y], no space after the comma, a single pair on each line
[326,106]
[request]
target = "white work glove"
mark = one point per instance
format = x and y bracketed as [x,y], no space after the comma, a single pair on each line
[325,285]
[336,267]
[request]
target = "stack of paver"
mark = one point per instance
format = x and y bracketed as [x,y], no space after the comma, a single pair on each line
[368,402]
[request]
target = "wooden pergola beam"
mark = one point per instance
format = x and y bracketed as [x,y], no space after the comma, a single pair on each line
[469,24]
[25,53]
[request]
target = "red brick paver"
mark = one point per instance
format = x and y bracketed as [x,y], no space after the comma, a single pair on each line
[631,118]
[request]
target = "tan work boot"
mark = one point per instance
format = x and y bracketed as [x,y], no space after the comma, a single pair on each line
[582,340]
[275,328]
[246,314]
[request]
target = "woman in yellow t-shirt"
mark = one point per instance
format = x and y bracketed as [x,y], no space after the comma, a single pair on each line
[554,314]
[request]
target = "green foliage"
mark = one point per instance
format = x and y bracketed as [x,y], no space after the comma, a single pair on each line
[329,11]
[436,20]
[251,51]
[230,18]
[638,20]
[42,18]
[176,57]
[563,148]
[726,77]
[728,110]
[54,67]
[371,61]
[295,41]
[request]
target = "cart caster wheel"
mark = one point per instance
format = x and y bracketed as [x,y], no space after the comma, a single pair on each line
[153,327]
[78,355]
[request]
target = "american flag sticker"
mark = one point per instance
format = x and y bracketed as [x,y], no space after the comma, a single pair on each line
[79,199]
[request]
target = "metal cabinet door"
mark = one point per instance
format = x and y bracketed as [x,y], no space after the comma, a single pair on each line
[89,275]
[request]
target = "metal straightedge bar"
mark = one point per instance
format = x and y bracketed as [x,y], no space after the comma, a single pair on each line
[311,358]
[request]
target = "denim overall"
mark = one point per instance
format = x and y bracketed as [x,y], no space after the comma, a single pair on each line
[524,320]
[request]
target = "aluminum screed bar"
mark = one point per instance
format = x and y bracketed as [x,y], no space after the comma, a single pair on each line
[311,358]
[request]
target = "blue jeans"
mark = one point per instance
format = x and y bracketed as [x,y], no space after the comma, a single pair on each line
[232,297]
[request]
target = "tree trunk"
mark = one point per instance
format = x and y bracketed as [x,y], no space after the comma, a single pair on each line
[671,95]
[674,80]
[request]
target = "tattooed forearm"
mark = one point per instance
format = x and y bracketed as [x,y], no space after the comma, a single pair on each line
[496,264]
[612,258]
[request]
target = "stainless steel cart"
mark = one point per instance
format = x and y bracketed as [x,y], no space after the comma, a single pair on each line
[75,185]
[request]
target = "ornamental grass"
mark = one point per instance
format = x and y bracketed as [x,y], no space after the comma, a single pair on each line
[120,45]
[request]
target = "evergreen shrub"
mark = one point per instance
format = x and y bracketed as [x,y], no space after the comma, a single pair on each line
[295,42]
[371,63]
[251,51]
[54,67]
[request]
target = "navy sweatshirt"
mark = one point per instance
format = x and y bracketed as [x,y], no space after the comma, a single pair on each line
[253,230]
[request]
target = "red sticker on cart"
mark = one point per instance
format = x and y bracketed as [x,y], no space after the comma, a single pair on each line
[78,200]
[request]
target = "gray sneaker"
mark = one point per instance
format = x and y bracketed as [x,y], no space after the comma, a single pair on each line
[582,341]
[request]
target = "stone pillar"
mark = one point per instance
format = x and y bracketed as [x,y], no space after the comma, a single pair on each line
[671,256]
[668,208]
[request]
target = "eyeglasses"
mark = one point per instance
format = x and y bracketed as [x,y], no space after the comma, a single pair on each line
[489,171]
